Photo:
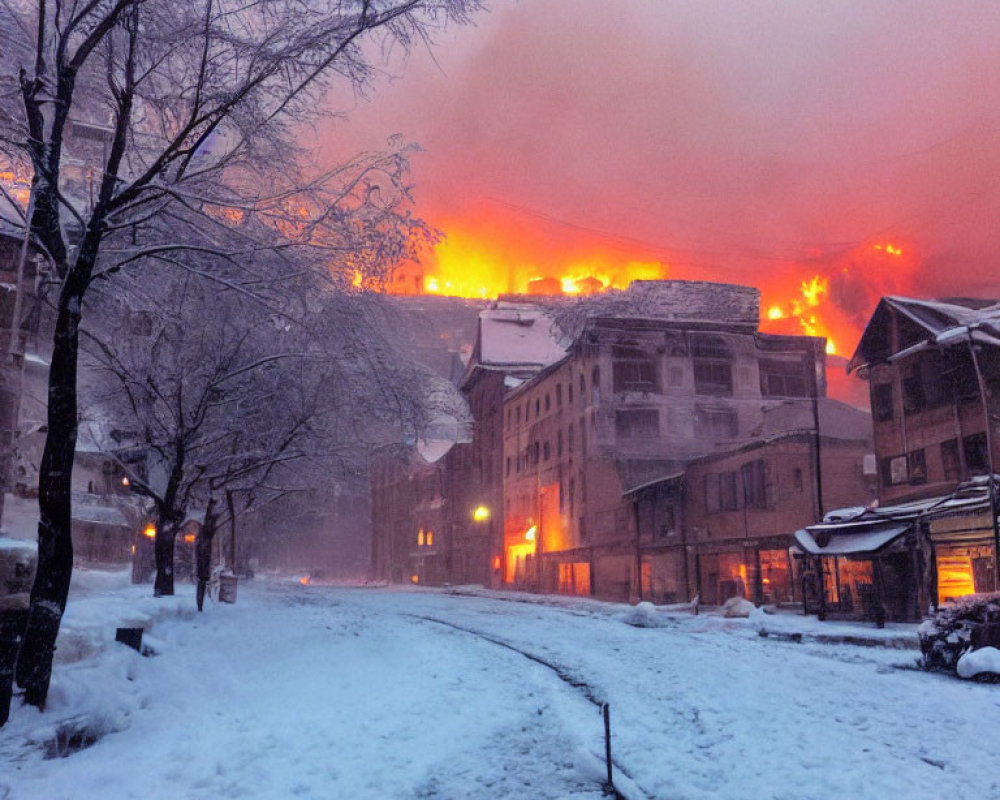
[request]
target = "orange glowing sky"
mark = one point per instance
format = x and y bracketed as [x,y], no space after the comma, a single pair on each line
[833,151]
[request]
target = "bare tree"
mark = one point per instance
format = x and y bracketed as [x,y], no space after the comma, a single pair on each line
[182,111]
[232,397]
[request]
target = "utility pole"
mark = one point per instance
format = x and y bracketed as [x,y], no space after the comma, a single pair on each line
[991,484]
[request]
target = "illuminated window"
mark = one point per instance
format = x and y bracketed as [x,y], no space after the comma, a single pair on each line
[420,538]
[430,538]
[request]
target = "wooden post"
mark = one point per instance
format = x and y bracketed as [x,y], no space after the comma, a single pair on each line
[606,709]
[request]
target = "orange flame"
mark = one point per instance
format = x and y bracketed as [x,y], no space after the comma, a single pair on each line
[487,253]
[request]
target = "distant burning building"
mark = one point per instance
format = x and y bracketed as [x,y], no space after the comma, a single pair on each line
[655,380]
[649,443]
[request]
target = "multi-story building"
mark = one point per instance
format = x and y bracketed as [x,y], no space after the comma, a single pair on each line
[460,497]
[656,377]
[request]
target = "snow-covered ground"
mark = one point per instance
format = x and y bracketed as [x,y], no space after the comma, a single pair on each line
[331,692]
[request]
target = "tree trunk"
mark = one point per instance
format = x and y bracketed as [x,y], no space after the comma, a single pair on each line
[163,549]
[55,541]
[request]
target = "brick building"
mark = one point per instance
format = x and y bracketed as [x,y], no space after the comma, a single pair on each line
[724,526]
[655,378]
[460,497]
[933,370]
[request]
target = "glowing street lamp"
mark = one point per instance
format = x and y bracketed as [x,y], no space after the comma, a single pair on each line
[481,514]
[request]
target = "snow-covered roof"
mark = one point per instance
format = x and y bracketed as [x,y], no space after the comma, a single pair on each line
[944,322]
[92,508]
[857,525]
[515,335]
[870,540]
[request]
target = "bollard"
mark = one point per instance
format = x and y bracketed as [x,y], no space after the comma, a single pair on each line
[607,741]
[131,637]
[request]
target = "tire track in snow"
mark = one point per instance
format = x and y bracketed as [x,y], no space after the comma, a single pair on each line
[588,691]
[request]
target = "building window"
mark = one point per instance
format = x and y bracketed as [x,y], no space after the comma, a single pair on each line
[569,438]
[720,492]
[548,402]
[634,423]
[538,407]
[882,401]
[797,479]
[783,378]
[517,415]
[633,369]
[668,525]
[976,456]
[569,390]
[558,395]
[917,465]
[546,451]
[430,538]
[713,371]
[536,450]
[950,462]
[715,423]
[420,538]
[508,466]
[922,383]
[914,399]
[754,474]
[595,387]
[894,470]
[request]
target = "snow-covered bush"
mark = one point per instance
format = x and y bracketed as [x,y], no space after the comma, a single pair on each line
[983,663]
[737,607]
[643,615]
[966,625]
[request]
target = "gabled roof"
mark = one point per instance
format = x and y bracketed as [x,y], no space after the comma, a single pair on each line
[944,322]
[515,338]
[514,334]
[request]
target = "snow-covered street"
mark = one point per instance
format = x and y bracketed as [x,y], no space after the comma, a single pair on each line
[327,692]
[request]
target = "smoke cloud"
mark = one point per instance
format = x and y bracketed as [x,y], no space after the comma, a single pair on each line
[748,142]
